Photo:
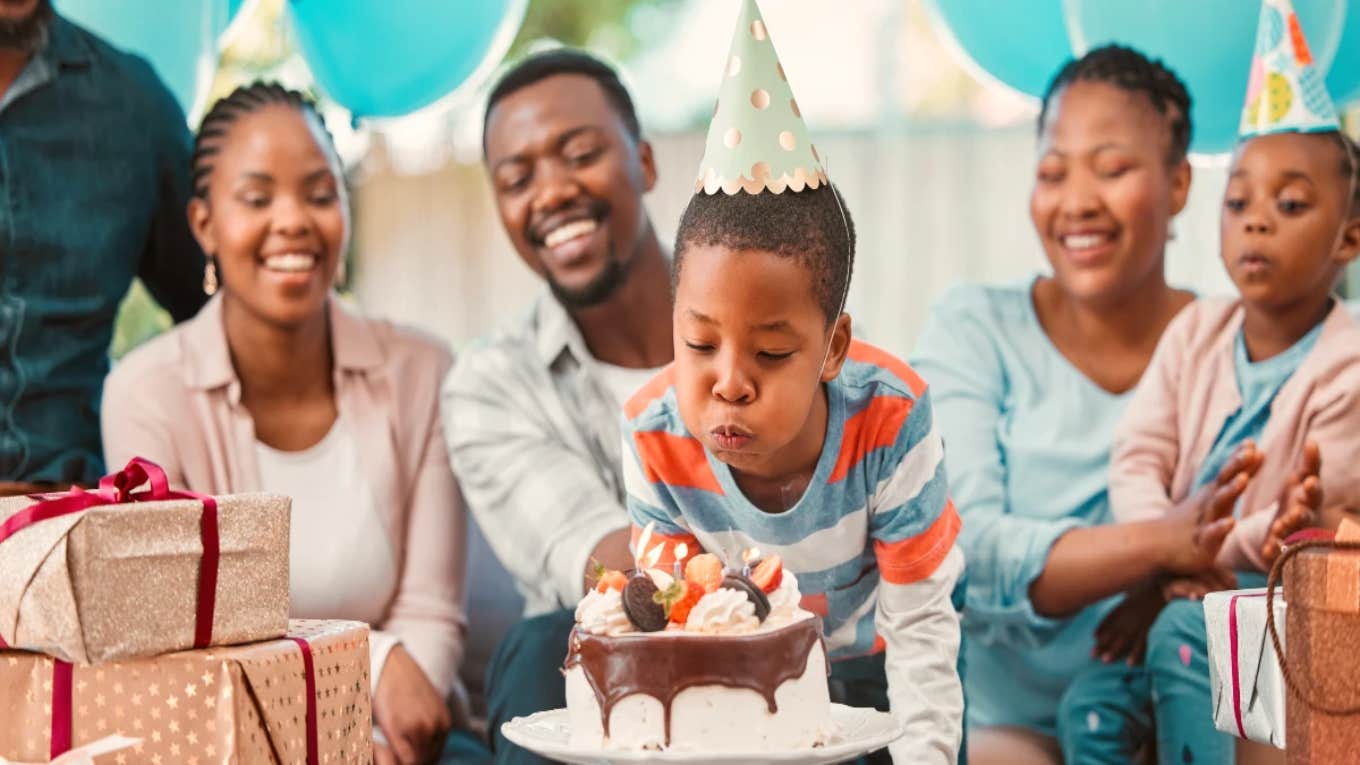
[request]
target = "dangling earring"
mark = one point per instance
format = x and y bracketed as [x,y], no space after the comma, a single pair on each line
[210,276]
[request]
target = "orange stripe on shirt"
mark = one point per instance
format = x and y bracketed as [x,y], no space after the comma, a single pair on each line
[667,558]
[915,558]
[653,390]
[873,427]
[675,460]
[867,354]
[816,603]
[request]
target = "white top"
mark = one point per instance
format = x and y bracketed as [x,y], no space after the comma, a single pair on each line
[334,510]
[623,382]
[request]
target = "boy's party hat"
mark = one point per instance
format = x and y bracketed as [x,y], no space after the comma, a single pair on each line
[757,141]
[1286,92]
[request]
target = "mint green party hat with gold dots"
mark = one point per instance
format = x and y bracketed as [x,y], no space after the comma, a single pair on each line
[757,141]
[1285,91]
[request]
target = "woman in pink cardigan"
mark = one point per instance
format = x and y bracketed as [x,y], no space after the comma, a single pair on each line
[277,386]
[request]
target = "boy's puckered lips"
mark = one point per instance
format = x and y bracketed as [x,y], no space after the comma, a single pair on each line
[731,437]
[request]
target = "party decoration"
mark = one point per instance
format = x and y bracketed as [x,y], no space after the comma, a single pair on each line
[757,140]
[1285,92]
[1343,77]
[1209,44]
[389,59]
[1018,44]
[178,37]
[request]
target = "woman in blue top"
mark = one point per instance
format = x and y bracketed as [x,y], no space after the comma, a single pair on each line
[1028,383]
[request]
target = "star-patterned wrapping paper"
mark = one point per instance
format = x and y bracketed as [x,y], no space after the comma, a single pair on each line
[121,581]
[243,705]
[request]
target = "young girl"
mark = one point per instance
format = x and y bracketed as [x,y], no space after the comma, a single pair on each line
[1272,377]
[1028,383]
[277,386]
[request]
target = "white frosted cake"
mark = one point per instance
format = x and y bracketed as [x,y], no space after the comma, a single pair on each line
[710,662]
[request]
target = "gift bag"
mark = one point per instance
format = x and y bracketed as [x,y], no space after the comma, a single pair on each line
[1322,667]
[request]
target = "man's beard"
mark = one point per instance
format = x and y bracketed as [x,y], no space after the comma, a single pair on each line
[597,290]
[28,34]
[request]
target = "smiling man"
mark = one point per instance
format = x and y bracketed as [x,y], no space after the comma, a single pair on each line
[532,412]
[94,180]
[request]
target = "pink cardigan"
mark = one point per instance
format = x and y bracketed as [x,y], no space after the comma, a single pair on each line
[1188,392]
[177,401]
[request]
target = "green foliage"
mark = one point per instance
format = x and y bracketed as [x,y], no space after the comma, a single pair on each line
[139,319]
[610,26]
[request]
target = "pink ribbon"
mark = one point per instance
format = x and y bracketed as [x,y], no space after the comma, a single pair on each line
[1232,653]
[309,672]
[117,489]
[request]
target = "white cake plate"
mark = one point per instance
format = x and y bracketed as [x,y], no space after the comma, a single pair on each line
[860,731]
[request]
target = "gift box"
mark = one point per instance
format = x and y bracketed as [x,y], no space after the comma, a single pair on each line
[1244,674]
[116,573]
[300,699]
[1322,666]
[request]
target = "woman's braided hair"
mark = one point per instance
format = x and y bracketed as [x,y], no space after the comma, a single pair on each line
[246,99]
[1131,71]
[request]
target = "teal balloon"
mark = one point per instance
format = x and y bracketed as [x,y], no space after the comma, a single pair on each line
[174,35]
[1019,44]
[1343,79]
[386,59]
[1207,43]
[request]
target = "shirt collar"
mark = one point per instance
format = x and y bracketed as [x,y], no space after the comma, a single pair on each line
[353,342]
[65,45]
[557,332]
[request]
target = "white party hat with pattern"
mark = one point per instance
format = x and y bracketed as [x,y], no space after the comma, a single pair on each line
[757,141]
[1286,92]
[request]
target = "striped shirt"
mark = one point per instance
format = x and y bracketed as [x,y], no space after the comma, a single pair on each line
[871,540]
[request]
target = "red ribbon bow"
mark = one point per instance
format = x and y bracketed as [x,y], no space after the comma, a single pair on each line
[118,489]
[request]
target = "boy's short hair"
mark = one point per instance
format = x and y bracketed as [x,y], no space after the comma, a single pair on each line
[541,66]
[812,226]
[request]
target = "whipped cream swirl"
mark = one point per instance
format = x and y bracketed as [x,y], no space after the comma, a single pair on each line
[785,602]
[601,613]
[723,612]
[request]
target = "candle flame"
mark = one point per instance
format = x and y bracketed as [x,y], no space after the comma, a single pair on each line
[681,551]
[655,554]
[641,547]
[750,554]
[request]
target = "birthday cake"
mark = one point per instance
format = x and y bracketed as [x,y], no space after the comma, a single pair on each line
[713,660]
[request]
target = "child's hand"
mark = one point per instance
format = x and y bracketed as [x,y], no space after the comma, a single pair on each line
[1196,587]
[1300,504]
[1199,524]
[1124,631]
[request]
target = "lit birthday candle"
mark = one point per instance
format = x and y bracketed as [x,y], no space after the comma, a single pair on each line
[748,555]
[681,550]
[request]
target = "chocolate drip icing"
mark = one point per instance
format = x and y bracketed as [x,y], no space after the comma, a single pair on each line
[661,666]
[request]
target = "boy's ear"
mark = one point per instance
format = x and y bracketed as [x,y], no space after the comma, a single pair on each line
[840,348]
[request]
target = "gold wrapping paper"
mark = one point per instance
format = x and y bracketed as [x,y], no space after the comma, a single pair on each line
[1323,590]
[121,581]
[243,705]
